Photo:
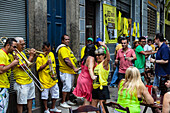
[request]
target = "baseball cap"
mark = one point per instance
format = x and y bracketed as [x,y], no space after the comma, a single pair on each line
[98,39]
[90,39]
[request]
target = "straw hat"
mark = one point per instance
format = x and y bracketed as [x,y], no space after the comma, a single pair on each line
[136,40]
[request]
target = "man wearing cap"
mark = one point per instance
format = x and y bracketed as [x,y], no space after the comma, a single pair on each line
[97,42]
[89,41]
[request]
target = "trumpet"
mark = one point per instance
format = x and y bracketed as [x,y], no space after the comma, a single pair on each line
[52,73]
[37,52]
[25,66]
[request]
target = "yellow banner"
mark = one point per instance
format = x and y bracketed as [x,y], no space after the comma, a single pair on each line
[134,29]
[125,26]
[119,21]
[138,34]
[110,23]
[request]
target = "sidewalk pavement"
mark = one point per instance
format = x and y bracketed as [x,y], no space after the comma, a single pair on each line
[113,97]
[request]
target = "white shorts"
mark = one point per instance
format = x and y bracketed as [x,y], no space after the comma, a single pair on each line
[68,81]
[24,92]
[54,91]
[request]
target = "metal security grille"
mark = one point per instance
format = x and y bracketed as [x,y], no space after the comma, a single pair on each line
[123,6]
[151,20]
[12,19]
[12,22]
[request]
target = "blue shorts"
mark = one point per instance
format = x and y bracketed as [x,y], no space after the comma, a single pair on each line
[141,70]
[156,81]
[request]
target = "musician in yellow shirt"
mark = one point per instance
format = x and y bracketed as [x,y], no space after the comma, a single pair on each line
[5,71]
[24,86]
[46,67]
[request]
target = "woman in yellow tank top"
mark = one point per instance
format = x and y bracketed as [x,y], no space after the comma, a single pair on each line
[100,88]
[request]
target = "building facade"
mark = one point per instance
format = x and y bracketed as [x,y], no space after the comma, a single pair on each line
[47,20]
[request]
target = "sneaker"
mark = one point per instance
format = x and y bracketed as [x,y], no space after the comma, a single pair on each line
[47,111]
[65,105]
[55,110]
[71,103]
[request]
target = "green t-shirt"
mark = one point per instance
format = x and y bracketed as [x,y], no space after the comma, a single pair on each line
[140,62]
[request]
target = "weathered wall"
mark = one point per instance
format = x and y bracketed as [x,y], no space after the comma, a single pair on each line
[37,23]
[37,31]
[72,25]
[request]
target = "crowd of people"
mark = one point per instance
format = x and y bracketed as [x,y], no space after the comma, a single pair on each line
[134,70]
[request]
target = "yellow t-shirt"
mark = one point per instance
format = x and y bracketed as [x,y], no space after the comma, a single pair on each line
[44,75]
[153,47]
[4,61]
[82,51]
[102,76]
[19,74]
[65,52]
[119,46]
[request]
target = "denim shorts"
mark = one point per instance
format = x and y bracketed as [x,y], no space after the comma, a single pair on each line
[141,70]
[156,81]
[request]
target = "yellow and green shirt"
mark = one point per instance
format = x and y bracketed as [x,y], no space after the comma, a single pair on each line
[5,59]
[44,75]
[102,76]
[126,100]
[65,52]
[19,74]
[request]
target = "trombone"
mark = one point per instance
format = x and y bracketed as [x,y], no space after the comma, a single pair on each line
[27,67]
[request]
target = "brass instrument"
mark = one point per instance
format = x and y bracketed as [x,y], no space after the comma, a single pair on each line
[25,66]
[37,52]
[29,71]
[28,62]
[3,40]
[53,74]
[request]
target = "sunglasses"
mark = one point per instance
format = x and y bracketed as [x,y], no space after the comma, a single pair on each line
[99,54]
[14,46]
[143,41]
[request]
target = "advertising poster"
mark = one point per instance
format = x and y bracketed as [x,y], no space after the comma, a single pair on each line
[110,23]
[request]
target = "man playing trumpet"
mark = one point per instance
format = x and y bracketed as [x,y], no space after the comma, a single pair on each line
[24,85]
[46,67]
[5,71]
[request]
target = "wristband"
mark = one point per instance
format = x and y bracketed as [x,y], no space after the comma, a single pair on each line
[155,61]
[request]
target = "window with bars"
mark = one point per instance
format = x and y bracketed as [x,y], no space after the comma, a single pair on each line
[151,21]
